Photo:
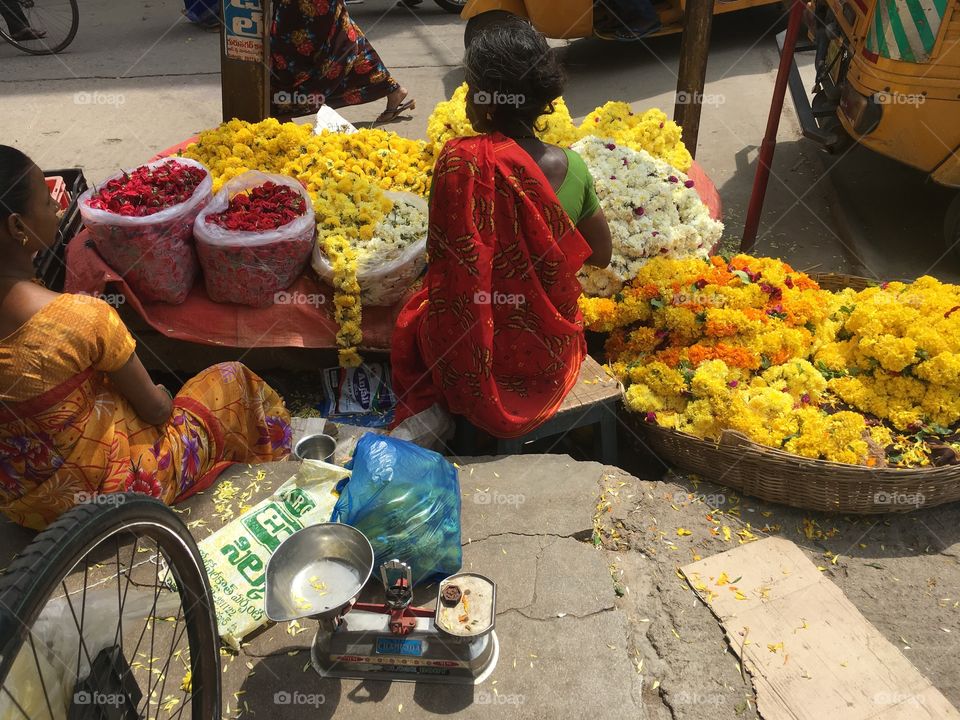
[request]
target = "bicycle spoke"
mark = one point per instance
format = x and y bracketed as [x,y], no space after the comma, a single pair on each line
[43,684]
[167,666]
[14,701]
[83,614]
[163,673]
[83,643]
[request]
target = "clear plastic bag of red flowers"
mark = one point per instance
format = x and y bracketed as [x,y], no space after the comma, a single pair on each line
[141,222]
[254,238]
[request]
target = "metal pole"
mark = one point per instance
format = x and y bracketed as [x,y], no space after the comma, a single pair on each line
[245,59]
[692,73]
[769,143]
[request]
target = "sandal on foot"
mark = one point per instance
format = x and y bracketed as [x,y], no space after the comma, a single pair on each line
[392,114]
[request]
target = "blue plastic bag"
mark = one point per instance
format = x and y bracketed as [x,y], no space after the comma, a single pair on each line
[406,500]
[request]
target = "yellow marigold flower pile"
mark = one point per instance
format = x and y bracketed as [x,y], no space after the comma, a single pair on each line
[383,157]
[749,344]
[651,131]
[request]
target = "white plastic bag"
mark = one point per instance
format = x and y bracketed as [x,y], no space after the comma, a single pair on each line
[250,268]
[55,637]
[154,254]
[429,429]
[236,555]
[391,280]
[332,121]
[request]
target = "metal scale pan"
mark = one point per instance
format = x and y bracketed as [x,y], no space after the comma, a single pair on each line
[319,572]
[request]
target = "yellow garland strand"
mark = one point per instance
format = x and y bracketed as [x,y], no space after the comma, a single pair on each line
[346,298]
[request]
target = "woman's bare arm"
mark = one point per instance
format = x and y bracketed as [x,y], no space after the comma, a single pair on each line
[597,234]
[151,401]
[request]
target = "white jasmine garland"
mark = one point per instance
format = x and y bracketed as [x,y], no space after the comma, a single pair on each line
[400,228]
[652,208]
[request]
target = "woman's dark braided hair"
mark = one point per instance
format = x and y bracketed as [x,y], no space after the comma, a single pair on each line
[512,65]
[14,182]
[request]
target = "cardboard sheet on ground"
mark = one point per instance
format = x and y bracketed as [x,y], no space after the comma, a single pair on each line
[811,653]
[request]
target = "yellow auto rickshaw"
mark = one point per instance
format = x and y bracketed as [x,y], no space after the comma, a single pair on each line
[888,77]
[571,19]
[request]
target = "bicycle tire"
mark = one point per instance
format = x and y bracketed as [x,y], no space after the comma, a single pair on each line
[37,571]
[62,45]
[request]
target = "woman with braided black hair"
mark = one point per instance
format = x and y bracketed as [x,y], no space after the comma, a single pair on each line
[495,335]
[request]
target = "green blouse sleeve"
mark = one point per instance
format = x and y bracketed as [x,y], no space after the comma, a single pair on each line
[578,169]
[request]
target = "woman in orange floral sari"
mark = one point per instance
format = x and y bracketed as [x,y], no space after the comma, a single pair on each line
[495,335]
[79,415]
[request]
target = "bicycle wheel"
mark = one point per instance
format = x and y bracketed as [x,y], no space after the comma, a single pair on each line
[56,20]
[108,613]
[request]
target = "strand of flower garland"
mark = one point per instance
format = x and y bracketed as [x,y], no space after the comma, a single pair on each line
[346,298]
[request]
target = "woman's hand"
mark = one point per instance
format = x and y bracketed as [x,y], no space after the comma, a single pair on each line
[153,403]
[597,234]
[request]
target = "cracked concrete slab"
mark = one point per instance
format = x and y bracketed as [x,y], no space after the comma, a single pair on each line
[528,495]
[563,640]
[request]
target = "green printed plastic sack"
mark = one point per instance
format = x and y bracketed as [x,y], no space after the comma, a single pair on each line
[236,555]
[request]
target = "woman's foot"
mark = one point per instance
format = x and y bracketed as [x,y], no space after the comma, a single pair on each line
[397,104]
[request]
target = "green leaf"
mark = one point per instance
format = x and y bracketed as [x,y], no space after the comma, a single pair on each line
[657,303]
[744,278]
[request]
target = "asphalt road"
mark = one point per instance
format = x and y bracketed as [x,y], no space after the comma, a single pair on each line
[139,78]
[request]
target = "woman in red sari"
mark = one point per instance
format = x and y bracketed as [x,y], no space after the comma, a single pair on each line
[495,334]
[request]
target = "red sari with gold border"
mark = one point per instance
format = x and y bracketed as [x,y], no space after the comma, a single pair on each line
[495,334]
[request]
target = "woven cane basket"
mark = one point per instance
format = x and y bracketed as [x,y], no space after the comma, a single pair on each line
[778,476]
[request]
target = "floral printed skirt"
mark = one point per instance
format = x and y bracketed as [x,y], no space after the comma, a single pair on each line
[320,57]
[90,441]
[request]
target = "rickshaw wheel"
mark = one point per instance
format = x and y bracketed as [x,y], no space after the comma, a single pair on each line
[109,613]
[951,228]
[479,23]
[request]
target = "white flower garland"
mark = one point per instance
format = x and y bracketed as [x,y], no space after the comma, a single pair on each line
[652,209]
[400,228]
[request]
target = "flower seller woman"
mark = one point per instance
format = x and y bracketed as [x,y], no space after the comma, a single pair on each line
[78,412]
[495,334]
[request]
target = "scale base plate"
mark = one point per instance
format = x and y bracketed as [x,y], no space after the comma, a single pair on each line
[363,648]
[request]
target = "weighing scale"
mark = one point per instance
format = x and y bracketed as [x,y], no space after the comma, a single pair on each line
[318,573]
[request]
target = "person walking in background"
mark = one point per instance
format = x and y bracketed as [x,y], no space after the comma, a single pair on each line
[17,24]
[320,57]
